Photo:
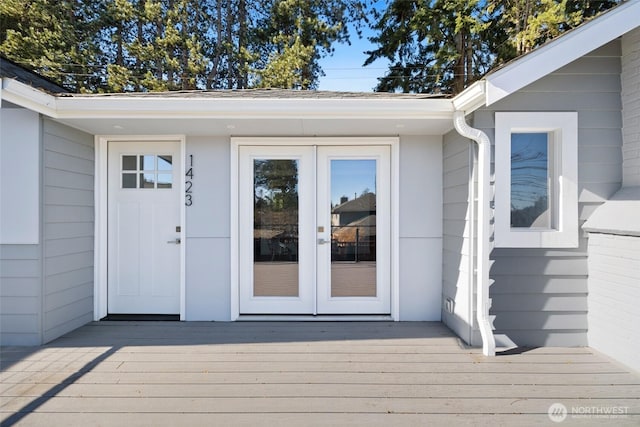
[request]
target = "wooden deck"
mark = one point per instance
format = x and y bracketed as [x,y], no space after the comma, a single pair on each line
[303,373]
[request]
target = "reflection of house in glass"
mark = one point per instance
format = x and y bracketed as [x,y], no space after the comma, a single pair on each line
[275,237]
[353,229]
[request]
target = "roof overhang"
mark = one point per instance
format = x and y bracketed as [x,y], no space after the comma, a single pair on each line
[211,115]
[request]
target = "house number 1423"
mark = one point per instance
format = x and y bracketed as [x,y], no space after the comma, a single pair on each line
[188,184]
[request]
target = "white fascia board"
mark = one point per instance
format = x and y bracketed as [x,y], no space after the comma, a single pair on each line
[562,51]
[471,98]
[98,107]
[171,107]
[28,97]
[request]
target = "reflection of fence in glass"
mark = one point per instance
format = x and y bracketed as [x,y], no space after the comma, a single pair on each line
[529,180]
[275,243]
[353,243]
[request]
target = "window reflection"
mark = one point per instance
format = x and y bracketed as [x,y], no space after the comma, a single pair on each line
[353,228]
[530,192]
[164,163]
[275,232]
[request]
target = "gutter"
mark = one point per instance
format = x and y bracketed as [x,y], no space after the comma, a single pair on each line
[483,303]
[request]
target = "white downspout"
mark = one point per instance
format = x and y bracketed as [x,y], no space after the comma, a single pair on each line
[484,215]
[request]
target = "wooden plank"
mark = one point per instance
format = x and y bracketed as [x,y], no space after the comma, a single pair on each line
[409,391]
[303,367]
[310,420]
[371,378]
[243,353]
[313,405]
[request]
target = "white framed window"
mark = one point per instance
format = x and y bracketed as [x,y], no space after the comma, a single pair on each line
[536,180]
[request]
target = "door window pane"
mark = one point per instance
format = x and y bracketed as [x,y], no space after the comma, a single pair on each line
[353,228]
[129,163]
[129,180]
[275,232]
[530,192]
[147,162]
[147,180]
[165,180]
[164,163]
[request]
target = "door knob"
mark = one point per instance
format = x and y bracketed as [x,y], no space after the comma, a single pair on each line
[176,241]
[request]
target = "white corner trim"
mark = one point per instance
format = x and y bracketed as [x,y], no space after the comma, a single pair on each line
[395,229]
[234,245]
[483,230]
[100,230]
[563,50]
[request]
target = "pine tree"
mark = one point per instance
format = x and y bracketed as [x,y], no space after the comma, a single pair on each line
[52,38]
[432,46]
[435,45]
[297,34]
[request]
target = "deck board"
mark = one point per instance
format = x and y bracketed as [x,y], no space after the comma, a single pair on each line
[301,373]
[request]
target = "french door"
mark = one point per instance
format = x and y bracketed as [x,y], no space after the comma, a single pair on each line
[314,229]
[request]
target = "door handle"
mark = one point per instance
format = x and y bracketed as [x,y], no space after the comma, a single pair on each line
[176,241]
[323,241]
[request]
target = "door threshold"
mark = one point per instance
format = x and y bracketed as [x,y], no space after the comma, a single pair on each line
[142,317]
[315,318]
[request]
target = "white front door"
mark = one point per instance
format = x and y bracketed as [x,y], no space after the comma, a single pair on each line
[314,230]
[144,227]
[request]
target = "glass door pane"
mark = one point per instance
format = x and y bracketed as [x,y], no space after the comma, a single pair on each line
[276,212]
[275,228]
[353,228]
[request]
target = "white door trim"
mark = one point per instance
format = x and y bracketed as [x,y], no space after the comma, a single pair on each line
[101,219]
[394,142]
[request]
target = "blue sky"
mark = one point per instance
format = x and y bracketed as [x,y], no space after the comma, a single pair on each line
[344,70]
[350,177]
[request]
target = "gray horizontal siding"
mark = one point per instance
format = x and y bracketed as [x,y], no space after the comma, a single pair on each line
[68,229]
[456,234]
[20,294]
[540,295]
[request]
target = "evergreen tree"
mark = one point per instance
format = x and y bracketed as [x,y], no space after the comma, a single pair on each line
[431,45]
[152,45]
[46,36]
[435,45]
[297,34]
